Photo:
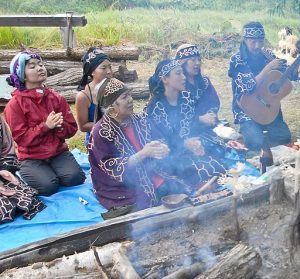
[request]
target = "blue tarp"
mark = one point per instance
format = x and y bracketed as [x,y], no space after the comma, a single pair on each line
[65,212]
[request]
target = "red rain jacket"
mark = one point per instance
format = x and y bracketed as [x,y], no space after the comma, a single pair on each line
[26,114]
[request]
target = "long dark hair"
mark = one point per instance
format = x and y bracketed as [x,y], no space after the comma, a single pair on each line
[199,81]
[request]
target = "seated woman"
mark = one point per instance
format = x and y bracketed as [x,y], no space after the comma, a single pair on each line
[40,120]
[120,151]
[14,195]
[198,85]
[204,94]
[171,114]
[96,65]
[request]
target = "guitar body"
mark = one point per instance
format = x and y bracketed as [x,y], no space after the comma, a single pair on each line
[263,106]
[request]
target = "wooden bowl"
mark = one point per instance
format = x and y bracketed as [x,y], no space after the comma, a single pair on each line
[173,201]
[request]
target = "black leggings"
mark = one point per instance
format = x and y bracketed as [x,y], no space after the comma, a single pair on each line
[47,175]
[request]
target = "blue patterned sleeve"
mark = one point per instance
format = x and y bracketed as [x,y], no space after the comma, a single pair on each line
[242,77]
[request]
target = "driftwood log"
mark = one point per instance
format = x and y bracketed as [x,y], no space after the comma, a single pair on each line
[116,53]
[122,268]
[242,262]
[73,76]
[139,90]
[67,267]
[56,67]
[277,189]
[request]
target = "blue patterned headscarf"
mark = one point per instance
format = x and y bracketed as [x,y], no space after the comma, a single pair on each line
[253,30]
[17,68]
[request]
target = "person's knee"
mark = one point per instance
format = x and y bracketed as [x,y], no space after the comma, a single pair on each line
[73,178]
[46,188]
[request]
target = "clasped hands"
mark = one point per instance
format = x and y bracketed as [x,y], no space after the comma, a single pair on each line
[156,149]
[209,118]
[54,120]
[195,146]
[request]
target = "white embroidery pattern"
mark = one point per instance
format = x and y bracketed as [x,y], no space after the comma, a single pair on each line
[115,167]
[245,82]
[93,55]
[253,32]
[168,68]
[113,86]
[188,52]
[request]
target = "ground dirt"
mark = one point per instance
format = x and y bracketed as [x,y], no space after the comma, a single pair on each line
[264,226]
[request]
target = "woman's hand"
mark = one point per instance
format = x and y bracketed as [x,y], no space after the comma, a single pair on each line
[54,120]
[209,118]
[9,176]
[194,145]
[156,149]
[6,192]
[236,145]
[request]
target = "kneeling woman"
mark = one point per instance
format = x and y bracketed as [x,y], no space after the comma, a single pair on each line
[171,114]
[121,152]
[40,120]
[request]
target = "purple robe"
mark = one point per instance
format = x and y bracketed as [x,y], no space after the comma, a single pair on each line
[114,182]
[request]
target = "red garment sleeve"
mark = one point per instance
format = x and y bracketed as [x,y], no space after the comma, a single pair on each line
[69,127]
[22,134]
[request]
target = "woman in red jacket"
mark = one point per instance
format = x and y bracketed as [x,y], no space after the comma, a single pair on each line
[40,120]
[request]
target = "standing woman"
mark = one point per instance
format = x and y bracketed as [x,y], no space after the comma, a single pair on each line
[40,120]
[121,152]
[96,65]
[171,113]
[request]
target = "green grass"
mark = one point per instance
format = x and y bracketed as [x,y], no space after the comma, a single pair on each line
[147,26]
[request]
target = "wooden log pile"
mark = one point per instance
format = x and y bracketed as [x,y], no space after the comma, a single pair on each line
[116,53]
[65,69]
[139,90]
[111,261]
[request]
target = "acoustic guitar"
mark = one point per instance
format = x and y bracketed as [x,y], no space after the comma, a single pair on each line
[264,104]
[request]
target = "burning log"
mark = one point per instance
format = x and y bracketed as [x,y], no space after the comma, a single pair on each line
[116,53]
[139,90]
[122,268]
[187,272]
[241,262]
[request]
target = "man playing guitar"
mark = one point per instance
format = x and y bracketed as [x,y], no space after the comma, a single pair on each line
[248,69]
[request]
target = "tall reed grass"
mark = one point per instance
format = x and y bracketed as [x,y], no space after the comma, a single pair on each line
[147,26]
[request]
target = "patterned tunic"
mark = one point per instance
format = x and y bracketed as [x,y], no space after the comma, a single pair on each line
[174,124]
[109,150]
[25,199]
[243,72]
[205,95]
